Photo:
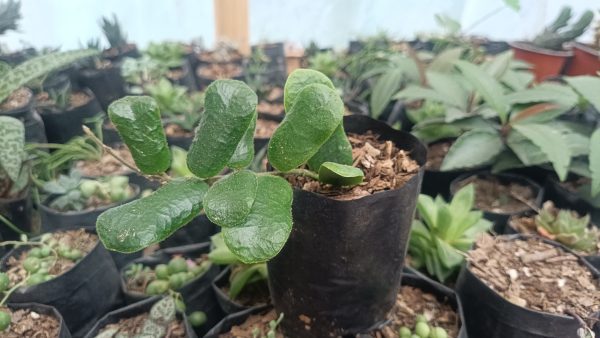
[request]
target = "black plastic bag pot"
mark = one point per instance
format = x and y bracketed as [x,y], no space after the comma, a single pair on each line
[82,294]
[501,219]
[183,142]
[342,264]
[495,47]
[566,199]
[19,211]
[107,84]
[233,319]
[133,310]
[204,81]
[197,294]
[34,126]
[186,78]
[54,83]
[45,310]
[61,126]
[490,315]
[199,230]
[227,304]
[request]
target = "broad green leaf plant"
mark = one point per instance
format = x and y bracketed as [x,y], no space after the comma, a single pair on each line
[253,209]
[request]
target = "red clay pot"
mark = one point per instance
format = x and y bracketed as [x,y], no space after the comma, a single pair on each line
[546,63]
[585,61]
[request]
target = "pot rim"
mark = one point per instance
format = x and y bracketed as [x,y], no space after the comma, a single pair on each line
[529,47]
[586,48]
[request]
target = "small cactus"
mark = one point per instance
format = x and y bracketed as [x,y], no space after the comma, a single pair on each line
[557,33]
[567,227]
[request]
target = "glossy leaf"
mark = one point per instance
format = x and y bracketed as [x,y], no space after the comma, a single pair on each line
[588,87]
[340,175]
[317,113]
[446,84]
[229,201]
[267,227]
[244,153]
[230,109]
[499,65]
[12,144]
[595,162]
[444,61]
[136,225]
[420,93]
[299,79]
[472,149]
[545,92]
[137,119]
[517,80]
[336,149]
[383,90]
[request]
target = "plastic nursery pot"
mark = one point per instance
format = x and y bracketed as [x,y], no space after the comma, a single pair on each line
[82,294]
[61,220]
[341,266]
[199,230]
[183,76]
[566,199]
[63,331]
[585,61]
[118,53]
[495,47]
[233,319]
[490,315]
[227,304]
[34,126]
[54,83]
[197,294]
[107,84]
[501,218]
[546,63]
[133,310]
[19,211]
[204,81]
[62,125]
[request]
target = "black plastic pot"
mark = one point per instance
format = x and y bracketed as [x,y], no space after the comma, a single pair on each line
[203,81]
[495,47]
[63,332]
[566,199]
[61,126]
[34,126]
[18,57]
[119,53]
[501,219]
[489,315]
[82,294]
[55,82]
[197,294]
[19,211]
[183,142]
[133,310]
[276,67]
[227,304]
[187,78]
[107,84]
[233,319]
[53,220]
[342,264]
[199,230]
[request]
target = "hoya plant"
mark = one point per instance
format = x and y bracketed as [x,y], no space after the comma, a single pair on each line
[253,209]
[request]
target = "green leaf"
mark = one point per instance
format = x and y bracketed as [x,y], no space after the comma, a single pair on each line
[419,93]
[499,65]
[551,142]
[136,225]
[473,148]
[444,61]
[545,92]
[513,4]
[314,117]
[384,88]
[340,175]
[299,79]
[428,210]
[595,162]
[229,201]
[588,87]
[446,85]
[12,144]
[449,256]
[517,80]
[37,67]
[244,153]
[267,227]
[463,200]
[230,109]
[137,119]
[337,149]
[490,89]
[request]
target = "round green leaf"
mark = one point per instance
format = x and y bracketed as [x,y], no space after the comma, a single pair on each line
[244,153]
[340,175]
[299,79]
[228,202]
[137,119]
[337,149]
[318,111]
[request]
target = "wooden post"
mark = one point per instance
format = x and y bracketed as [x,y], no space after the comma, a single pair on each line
[231,23]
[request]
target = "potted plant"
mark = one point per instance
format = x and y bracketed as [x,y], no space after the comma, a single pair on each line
[117,40]
[224,62]
[69,270]
[103,78]
[255,210]
[172,55]
[545,52]
[30,320]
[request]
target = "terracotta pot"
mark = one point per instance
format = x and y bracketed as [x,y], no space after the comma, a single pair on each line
[546,63]
[585,61]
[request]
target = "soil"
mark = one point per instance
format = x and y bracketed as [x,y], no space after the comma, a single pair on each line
[253,294]
[265,128]
[536,275]
[174,130]
[275,94]
[220,55]
[266,107]
[75,239]
[107,165]
[494,196]
[18,99]
[574,185]
[220,71]
[260,321]
[29,324]
[175,74]
[133,326]
[411,302]
[385,166]
[76,99]
[436,153]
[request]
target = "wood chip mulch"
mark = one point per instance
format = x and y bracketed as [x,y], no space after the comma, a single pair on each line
[133,326]
[29,324]
[108,165]
[260,321]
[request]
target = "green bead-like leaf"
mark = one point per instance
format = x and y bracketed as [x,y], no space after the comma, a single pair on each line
[337,149]
[230,108]
[244,153]
[137,119]
[340,175]
[267,227]
[229,201]
[318,111]
[12,143]
[134,226]
[299,79]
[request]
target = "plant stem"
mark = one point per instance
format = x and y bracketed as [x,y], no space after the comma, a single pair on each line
[11,290]
[5,243]
[11,225]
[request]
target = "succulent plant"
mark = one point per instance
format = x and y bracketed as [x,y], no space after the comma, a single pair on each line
[567,227]
[558,33]
[10,13]
[112,31]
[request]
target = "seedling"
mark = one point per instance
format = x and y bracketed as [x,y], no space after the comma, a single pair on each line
[253,209]
[422,329]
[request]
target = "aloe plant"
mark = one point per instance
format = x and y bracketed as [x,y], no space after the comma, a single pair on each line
[253,210]
[568,228]
[558,32]
[112,31]
[444,232]
[37,67]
